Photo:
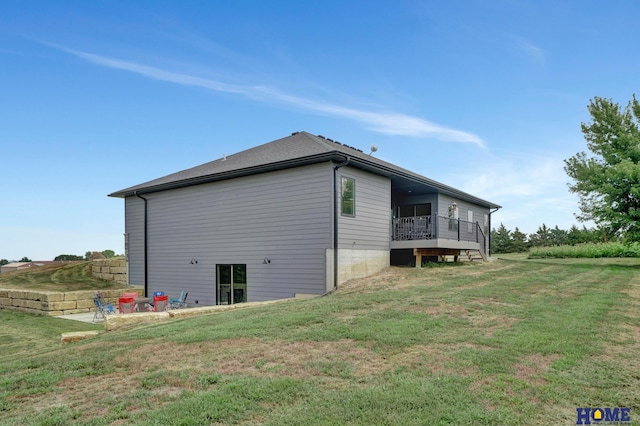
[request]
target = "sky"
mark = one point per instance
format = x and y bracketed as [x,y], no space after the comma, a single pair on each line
[484,96]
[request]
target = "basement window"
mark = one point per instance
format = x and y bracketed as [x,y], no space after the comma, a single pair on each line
[348,199]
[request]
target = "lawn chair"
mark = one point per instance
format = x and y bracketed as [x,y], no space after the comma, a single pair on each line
[130,294]
[160,303]
[180,302]
[150,305]
[126,305]
[102,307]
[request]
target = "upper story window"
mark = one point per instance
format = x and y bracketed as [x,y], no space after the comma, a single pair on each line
[348,196]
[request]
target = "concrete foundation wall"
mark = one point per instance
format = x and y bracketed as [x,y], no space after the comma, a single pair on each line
[360,263]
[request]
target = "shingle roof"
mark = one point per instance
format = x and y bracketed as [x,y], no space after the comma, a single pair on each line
[297,149]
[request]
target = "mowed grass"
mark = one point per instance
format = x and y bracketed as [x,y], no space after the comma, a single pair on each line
[67,277]
[505,342]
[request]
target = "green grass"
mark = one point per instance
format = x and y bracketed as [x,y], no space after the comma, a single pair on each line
[22,335]
[511,342]
[67,277]
[587,251]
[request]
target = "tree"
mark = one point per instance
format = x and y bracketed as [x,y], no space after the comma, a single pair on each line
[501,240]
[559,237]
[4,262]
[519,241]
[65,257]
[25,259]
[108,253]
[578,236]
[542,237]
[608,182]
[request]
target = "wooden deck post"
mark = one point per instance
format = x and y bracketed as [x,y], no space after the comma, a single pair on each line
[418,254]
[442,254]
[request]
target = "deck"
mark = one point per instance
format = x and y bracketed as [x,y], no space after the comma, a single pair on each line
[438,236]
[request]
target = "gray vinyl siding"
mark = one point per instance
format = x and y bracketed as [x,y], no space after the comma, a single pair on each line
[134,226]
[369,228]
[463,207]
[284,216]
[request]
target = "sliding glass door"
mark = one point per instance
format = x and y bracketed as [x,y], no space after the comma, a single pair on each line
[231,284]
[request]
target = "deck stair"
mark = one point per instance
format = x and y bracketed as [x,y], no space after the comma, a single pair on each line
[473,255]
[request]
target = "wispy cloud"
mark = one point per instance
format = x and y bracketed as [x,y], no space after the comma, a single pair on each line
[534,53]
[385,122]
[519,178]
[531,191]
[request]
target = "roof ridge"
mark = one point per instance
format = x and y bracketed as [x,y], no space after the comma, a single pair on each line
[330,144]
[299,148]
[320,140]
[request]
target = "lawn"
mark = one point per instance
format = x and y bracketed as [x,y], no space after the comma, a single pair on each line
[67,277]
[510,342]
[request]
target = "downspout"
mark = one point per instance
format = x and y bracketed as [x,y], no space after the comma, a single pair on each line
[335,222]
[146,263]
[489,236]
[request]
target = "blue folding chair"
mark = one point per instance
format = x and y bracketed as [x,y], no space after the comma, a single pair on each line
[180,302]
[102,307]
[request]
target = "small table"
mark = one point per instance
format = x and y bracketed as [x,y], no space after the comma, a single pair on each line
[141,304]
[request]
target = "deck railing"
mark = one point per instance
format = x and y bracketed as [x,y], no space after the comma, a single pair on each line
[431,227]
[412,228]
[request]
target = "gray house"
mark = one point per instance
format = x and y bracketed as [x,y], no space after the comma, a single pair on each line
[296,216]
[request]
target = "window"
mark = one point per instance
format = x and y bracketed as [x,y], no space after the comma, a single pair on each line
[410,210]
[405,211]
[423,209]
[453,216]
[348,196]
[470,220]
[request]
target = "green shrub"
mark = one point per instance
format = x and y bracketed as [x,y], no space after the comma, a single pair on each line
[590,250]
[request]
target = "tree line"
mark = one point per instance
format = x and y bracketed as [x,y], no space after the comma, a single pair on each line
[90,255]
[504,240]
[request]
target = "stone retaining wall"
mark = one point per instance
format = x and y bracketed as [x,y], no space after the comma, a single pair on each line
[74,302]
[53,303]
[110,269]
[115,322]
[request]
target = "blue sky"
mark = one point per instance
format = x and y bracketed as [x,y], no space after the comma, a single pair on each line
[486,96]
